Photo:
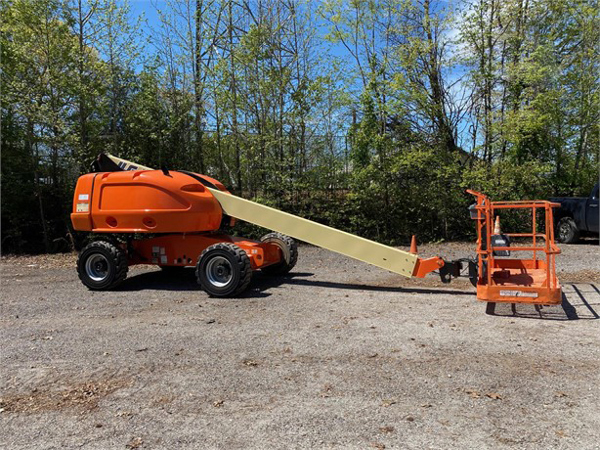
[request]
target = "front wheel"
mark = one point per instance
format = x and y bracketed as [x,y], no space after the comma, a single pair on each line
[224,270]
[102,265]
[567,231]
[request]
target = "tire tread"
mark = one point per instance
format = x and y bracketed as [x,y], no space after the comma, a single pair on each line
[575,230]
[118,258]
[241,259]
[283,267]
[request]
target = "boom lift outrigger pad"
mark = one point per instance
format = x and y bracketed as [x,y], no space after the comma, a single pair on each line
[173,219]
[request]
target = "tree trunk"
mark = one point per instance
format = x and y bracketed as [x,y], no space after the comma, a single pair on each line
[439,117]
[198,104]
[36,181]
[489,84]
[82,96]
[234,106]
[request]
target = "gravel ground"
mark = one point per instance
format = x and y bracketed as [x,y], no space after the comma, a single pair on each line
[336,355]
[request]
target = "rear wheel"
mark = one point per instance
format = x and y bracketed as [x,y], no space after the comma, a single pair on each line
[567,231]
[224,270]
[102,265]
[289,253]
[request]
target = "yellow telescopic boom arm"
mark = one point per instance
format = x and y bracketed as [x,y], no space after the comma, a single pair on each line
[392,259]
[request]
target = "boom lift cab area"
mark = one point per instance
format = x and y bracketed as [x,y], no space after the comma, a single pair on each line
[175,219]
[170,219]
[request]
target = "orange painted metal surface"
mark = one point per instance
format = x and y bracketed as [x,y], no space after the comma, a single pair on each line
[145,201]
[157,202]
[425,266]
[185,249]
[525,280]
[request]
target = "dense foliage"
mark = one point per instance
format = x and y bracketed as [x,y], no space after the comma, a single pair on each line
[369,115]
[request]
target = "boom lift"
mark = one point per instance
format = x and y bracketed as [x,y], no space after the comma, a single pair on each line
[174,219]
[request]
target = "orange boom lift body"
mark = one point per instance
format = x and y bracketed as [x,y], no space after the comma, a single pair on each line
[180,213]
[175,219]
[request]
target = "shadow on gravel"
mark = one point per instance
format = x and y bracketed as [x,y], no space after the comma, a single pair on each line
[185,280]
[578,307]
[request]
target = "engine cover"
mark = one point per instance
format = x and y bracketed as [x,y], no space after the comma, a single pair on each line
[144,201]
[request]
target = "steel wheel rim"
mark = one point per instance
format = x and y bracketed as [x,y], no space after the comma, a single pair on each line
[96,267]
[219,271]
[563,231]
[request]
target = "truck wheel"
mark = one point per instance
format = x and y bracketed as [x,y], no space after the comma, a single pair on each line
[102,265]
[567,231]
[223,270]
[289,251]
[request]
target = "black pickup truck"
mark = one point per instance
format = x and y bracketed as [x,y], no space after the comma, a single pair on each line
[576,216]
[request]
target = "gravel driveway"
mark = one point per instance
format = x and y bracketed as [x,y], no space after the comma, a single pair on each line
[336,355]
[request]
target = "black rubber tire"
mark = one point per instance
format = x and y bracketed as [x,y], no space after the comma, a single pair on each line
[567,231]
[114,258]
[474,271]
[239,264]
[289,249]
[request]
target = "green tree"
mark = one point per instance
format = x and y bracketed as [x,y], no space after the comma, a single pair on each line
[39,65]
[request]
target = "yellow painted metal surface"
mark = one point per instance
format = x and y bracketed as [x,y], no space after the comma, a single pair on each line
[347,244]
[320,235]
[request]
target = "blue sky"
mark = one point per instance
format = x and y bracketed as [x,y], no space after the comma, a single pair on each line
[148,9]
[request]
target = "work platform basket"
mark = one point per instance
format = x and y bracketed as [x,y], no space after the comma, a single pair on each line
[501,275]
